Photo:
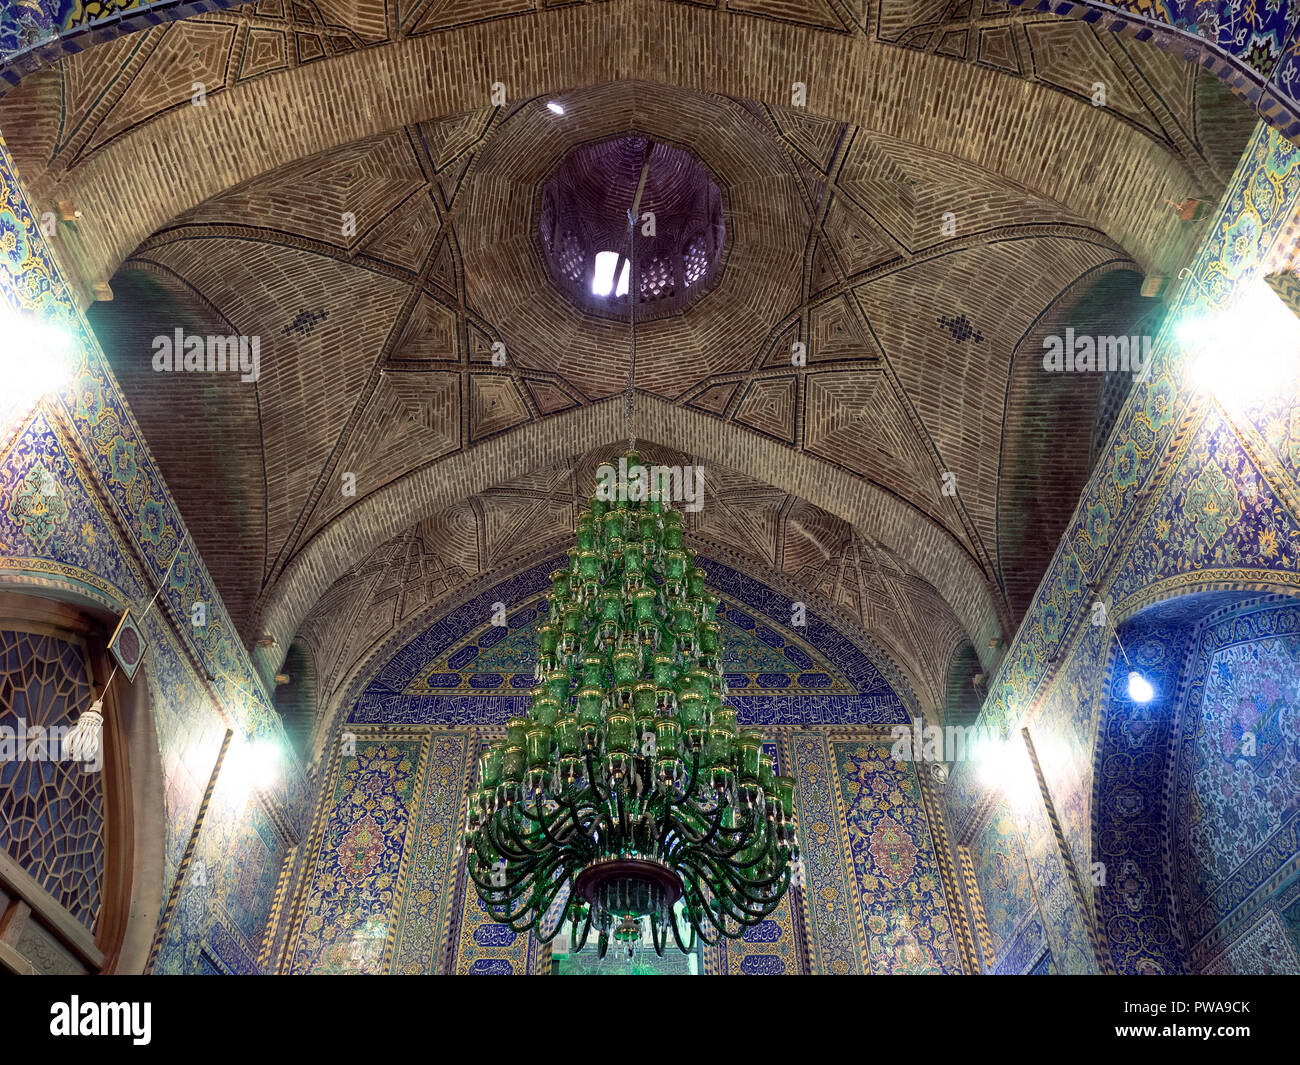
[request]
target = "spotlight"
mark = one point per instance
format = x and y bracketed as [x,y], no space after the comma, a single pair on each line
[555,107]
[1139,688]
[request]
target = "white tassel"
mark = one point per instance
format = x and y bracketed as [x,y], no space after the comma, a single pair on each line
[82,743]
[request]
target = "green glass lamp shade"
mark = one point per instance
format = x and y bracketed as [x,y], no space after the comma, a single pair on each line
[630,785]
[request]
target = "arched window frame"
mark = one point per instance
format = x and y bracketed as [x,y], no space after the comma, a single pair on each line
[37,934]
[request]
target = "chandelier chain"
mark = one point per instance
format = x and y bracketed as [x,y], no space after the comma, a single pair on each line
[631,303]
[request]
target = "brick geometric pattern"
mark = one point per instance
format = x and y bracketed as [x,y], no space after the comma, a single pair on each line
[382,335]
[494,530]
[1249,51]
[54,115]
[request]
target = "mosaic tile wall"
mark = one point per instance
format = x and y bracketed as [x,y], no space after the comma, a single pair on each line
[1136,917]
[1014,921]
[109,531]
[1198,821]
[1236,776]
[381,893]
[1165,514]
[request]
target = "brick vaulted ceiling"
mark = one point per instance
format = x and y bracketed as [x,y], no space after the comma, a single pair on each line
[439,558]
[923,345]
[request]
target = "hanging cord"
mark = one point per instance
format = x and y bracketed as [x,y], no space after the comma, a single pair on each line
[1115,629]
[631,307]
[633,215]
[81,744]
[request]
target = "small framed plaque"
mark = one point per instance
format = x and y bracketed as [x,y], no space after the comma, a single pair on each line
[128,645]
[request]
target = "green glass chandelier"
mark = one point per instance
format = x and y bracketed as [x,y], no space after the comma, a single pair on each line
[629,786]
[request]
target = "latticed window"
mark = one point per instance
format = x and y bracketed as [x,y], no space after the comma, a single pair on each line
[546,224]
[657,280]
[572,257]
[695,259]
[59,819]
[53,810]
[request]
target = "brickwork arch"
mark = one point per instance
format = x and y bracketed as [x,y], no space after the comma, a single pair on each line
[1056,146]
[380,516]
[1247,62]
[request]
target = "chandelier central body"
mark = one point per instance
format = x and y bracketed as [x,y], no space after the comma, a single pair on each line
[629,787]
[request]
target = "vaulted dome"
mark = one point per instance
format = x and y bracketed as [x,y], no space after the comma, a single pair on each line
[679,237]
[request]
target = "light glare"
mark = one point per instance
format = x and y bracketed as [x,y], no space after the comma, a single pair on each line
[1004,767]
[255,764]
[602,278]
[1247,353]
[1139,688]
[33,358]
[555,107]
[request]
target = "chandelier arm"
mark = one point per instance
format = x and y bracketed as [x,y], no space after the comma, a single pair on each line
[622,813]
[503,908]
[695,776]
[746,814]
[557,840]
[591,777]
[666,818]
[530,904]
[683,834]
[523,819]
[574,808]
[684,830]
[718,828]
[708,873]
[482,861]
[603,826]
[586,929]
[725,910]
[597,816]
[500,856]
[698,825]
[712,914]
[746,834]
[729,890]
[521,852]
[486,885]
[508,886]
[655,938]
[685,948]
[772,844]
[750,909]
[671,827]
[741,916]
[701,909]
[739,889]
[753,840]
[742,868]
[477,846]
[550,899]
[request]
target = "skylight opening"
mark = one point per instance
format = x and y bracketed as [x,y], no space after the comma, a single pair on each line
[602,277]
